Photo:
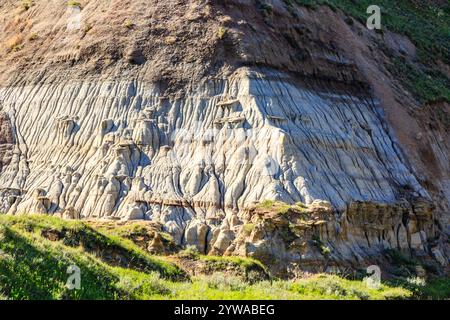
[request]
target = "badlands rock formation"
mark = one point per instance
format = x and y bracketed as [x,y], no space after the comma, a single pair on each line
[190,118]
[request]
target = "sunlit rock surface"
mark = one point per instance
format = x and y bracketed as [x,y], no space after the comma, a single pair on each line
[120,150]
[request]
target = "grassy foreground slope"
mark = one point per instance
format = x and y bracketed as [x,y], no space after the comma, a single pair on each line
[36,251]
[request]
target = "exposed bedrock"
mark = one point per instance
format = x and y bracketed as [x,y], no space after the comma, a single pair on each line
[6,139]
[197,162]
[315,238]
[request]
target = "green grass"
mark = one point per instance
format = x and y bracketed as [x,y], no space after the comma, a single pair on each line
[27,4]
[72,3]
[435,289]
[137,231]
[250,269]
[220,286]
[110,248]
[333,287]
[34,267]
[128,24]
[36,250]
[221,32]
[246,265]
[276,206]
[320,287]
[324,249]
[428,27]
[282,208]
[428,86]
[248,227]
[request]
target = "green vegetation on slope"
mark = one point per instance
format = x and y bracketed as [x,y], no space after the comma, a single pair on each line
[428,27]
[36,251]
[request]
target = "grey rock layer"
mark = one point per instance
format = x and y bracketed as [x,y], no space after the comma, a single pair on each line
[121,150]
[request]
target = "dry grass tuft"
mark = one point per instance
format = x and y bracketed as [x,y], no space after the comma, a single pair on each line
[15,43]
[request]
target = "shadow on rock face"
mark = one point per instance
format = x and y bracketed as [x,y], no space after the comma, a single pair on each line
[136,57]
[6,139]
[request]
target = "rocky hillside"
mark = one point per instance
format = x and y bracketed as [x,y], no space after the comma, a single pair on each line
[43,258]
[194,114]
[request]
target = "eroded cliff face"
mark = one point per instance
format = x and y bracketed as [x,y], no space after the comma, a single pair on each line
[193,127]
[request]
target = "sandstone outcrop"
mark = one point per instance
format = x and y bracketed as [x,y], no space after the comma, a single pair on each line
[318,239]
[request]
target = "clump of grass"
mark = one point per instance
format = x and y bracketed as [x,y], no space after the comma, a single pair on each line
[72,3]
[15,43]
[324,249]
[190,252]
[27,4]
[247,264]
[424,289]
[248,227]
[128,24]
[333,287]
[427,88]
[36,250]
[221,281]
[436,288]
[170,40]
[276,206]
[266,204]
[142,286]
[221,32]
[128,230]
[33,36]
[404,266]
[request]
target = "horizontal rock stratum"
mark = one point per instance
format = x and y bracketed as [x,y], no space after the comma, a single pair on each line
[192,113]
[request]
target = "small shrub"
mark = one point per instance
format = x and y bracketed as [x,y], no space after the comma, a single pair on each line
[324,249]
[75,4]
[277,206]
[33,36]
[222,281]
[267,204]
[221,33]
[27,4]
[128,24]
[170,40]
[191,252]
[417,281]
[266,8]
[151,284]
[400,259]
[248,228]
[15,43]
[301,205]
